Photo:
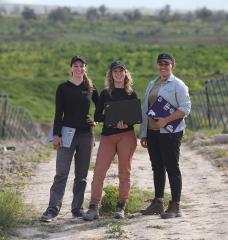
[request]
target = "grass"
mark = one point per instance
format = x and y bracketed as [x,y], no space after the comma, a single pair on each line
[219,153]
[138,199]
[204,132]
[12,211]
[115,230]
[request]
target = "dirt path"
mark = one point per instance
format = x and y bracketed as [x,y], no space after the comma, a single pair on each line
[205,205]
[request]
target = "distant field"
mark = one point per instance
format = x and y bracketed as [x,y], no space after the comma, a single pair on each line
[32,65]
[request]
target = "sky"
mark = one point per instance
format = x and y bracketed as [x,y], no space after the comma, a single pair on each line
[153,4]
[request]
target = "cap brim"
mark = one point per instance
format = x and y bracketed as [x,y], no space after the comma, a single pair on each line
[117,67]
[165,60]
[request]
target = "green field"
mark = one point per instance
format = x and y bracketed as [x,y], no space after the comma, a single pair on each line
[34,62]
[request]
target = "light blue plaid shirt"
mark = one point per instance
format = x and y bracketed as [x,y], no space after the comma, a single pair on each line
[175,92]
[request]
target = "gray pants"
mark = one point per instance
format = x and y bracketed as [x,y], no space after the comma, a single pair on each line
[81,148]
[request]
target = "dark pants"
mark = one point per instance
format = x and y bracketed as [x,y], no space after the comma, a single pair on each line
[164,151]
[81,146]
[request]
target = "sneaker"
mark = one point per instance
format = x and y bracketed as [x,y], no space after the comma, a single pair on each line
[156,207]
[77,213]
[92,213]
[49,215]
[172,211]
[119,212]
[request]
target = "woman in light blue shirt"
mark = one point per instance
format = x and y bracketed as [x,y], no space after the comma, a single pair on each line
[164,145]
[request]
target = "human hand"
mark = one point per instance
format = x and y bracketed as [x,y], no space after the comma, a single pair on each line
[143,142]
[161,122]
[57,142]
[121,125]
[90,121]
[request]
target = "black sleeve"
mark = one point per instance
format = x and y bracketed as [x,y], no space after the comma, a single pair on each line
[95,95]
[58,112]
[134,94]
[99,115]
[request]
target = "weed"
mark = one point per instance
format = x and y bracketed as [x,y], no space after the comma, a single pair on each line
[219,153]
[115,230]
[11,209]
[138,199]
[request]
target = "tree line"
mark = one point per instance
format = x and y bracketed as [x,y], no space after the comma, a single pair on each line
[165,14]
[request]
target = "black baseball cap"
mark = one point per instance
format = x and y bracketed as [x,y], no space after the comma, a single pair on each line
[166,57]
[77,58]
[117,64]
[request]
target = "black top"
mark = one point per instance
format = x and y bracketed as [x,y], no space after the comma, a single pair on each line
[72,105]
[117,95]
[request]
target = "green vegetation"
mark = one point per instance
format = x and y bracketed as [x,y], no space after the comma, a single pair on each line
[11,211]
[138,199]
[35,50]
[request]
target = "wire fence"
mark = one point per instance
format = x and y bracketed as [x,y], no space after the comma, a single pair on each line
[210,106]
[16,122]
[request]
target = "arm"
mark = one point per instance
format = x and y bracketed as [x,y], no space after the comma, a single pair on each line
[184,105]
[58,112]
[162,122]
[58,119]
[99,115]
[95,98]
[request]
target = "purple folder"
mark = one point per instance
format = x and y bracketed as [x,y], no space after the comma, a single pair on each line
[162,108]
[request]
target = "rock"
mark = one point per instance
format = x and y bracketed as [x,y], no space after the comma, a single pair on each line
[222,138]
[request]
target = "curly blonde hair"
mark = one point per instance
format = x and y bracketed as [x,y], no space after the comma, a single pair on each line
[128,82]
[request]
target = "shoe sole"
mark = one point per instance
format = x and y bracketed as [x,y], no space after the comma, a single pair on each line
[166,216]
[151,213]
[117,216]
[90,219]
[47,220]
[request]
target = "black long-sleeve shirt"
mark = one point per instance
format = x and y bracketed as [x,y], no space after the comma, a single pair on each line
[117,95]
[72,105]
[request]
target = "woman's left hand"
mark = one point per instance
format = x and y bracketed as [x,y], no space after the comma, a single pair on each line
[121,125]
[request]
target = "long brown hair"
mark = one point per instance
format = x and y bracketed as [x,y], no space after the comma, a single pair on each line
[88,83]
[128,82]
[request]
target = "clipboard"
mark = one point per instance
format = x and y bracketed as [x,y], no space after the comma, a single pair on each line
[67,136]
[162,108]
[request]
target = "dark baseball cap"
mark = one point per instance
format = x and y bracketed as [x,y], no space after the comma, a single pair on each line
[77,58]
[117,64]
[166,57]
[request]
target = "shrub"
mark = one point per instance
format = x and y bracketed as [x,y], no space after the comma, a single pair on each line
[11,210]
[136,201]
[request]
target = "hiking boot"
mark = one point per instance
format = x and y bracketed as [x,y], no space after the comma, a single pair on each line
[49,215]
[172,211]
[156,207]
[77,213]
[92,213]
[119,212]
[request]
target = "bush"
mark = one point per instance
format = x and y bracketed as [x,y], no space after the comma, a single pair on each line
[11,210]
[137,200]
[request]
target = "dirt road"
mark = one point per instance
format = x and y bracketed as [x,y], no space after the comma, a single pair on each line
[205,205]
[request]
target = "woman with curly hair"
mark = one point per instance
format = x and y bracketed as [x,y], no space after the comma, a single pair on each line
[120,140]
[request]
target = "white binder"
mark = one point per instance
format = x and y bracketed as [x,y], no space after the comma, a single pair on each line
[67,136]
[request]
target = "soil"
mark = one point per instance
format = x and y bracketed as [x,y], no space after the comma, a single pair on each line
[204,203]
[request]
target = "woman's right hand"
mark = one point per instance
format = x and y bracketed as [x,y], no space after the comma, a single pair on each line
[121,125]
[143,142]
[57,142]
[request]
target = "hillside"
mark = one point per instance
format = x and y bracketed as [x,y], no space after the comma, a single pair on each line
[35,54]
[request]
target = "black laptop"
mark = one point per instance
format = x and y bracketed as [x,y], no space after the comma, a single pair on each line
[129,111]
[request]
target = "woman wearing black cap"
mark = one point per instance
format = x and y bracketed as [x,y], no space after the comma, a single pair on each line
[72,104]
[120,140]
[160,136]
